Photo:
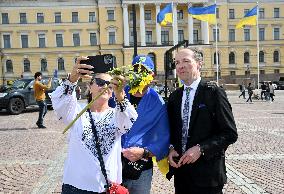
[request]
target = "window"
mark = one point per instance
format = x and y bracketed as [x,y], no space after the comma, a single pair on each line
[232,58]
[215,58]
[111,37]
[75,18]
[231,35]
[276,33]
[180,36]
[41,40]
[7,41]
[247,72]
[214,35]
[165,37]
[231,14]
[76,39]
[27,65]
[246,11]
[93,39]
[59,40]
[195,36]
[246,57]
[5,18]
[148,15]
[23,18]
[261,56]
[57,17]
[40,18]
[262,72]
[261,34]
[60,62]
[261,13]
[217,12]
[43,65]
[9,66]
[131,38]
[110,14]
[232,73]
[92,17]
[247,34]
[25,40]
[275,56]
[276,13]
[131,16]
[180,14]
[276,71]
[148,37]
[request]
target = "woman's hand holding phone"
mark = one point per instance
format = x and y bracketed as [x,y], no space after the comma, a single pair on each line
[80,69]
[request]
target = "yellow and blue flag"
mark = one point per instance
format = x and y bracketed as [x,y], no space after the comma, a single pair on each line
[249,19]
[207,14]
[165,16]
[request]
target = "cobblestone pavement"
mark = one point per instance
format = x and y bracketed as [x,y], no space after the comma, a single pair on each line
[31,159]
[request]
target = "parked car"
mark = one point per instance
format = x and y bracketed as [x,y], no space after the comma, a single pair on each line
[281,83]
[20,95]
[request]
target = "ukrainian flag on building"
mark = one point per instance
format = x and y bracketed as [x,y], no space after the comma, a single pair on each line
[165,16]
[249,19]
[207,14]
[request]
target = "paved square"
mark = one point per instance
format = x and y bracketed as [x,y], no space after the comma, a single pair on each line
[32,159]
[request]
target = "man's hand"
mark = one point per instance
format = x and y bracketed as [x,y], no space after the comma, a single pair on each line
[190,156]
[173,154]
[133,154]
[77,70]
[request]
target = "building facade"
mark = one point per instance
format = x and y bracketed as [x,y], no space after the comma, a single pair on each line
[48,35]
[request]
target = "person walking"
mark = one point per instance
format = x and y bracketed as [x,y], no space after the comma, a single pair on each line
[202,127]
[39,94]
[100,126]
[250,93]
[243,92]
[271,92]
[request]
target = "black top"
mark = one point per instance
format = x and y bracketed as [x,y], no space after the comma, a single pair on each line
[135,102]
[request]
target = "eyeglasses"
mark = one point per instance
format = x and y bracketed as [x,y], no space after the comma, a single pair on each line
[100,82]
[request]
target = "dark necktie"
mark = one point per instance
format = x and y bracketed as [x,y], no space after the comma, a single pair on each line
[185,118]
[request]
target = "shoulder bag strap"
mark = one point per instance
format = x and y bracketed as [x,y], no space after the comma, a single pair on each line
[99,152]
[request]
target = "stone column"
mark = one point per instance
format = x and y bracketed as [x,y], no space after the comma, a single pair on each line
[125,25]
[158,27]
[142,25]
[190,27]
[205,32]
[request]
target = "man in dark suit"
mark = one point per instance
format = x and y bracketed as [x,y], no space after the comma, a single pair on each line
[202,127]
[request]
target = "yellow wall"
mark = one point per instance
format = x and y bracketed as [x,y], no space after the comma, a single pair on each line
[124,54]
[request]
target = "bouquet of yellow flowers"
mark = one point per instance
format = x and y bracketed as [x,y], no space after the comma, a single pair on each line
[137,80]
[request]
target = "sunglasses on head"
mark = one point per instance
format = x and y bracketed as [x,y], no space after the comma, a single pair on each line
[100,82]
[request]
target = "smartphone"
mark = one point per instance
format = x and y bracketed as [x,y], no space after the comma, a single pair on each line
[100,63]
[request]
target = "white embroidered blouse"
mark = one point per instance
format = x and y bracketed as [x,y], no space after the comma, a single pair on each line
[82,168]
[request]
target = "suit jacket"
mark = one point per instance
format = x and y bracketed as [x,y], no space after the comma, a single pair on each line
[212,126]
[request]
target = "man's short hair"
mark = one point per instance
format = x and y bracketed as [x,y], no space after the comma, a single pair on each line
[197,55]
[37,74]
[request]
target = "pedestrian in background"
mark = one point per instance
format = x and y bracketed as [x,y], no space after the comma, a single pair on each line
[271,92]
[39,94]
[202,126]
[250,92]
[243,91]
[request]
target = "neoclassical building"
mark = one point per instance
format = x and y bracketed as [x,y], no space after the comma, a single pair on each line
[48,35]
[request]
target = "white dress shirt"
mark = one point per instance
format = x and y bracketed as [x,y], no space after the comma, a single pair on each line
[193,87]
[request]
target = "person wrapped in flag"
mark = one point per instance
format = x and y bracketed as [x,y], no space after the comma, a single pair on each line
[249,19]
[165,16]
[207,14]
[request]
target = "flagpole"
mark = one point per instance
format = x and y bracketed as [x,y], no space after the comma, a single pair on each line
[216,44]
[257,42]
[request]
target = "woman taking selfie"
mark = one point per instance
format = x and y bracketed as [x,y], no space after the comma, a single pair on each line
[82,170]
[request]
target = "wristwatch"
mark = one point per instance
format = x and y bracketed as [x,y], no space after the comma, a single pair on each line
[146,153]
